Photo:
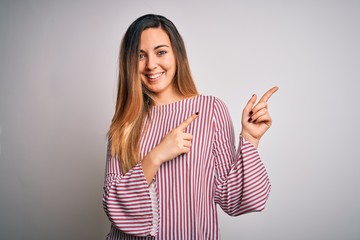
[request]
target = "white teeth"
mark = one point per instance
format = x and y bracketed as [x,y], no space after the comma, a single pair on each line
[154,76]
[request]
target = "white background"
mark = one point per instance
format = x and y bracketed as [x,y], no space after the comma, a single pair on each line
[58,72]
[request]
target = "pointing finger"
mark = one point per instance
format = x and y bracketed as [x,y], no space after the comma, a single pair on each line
[187,122]
[268,94]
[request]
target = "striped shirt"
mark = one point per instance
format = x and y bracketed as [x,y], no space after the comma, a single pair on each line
[181,202]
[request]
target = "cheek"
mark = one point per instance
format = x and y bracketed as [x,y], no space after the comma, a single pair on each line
[170,62]
[141,67]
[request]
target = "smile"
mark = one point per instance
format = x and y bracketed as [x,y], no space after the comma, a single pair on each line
[154,76]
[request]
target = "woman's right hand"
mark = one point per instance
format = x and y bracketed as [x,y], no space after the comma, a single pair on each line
[176,142]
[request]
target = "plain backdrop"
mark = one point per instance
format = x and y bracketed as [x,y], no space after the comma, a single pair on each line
[58,72]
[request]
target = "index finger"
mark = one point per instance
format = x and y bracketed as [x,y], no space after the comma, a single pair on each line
[268,94]
[187,122]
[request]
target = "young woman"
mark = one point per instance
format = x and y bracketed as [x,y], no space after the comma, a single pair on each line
[171,157]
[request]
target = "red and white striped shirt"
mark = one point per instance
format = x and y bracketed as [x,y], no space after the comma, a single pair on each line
[187,189]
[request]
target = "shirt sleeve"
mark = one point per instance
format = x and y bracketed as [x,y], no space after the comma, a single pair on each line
[241,182]
[126,198]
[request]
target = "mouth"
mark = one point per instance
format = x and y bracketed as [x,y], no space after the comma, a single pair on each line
[154,77]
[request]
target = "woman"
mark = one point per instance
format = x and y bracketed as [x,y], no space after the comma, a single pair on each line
[171,157]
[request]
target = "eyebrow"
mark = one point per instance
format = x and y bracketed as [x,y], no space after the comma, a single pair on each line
[159,46]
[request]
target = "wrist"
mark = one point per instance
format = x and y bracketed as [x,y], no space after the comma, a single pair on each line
[150,166]
[249,138]
[154,157]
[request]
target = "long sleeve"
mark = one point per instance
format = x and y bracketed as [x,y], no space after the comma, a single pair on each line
[126,199]
[181,202]
[241,181]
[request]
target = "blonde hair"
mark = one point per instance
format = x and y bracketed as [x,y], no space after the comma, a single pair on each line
[133,99]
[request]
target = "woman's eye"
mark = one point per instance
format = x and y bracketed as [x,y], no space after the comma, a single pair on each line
[141,55]
[161,53]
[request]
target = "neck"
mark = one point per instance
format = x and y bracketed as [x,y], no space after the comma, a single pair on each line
[163,99]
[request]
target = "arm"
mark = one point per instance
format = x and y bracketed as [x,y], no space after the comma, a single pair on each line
[176,142]
[126,198]
[241,183]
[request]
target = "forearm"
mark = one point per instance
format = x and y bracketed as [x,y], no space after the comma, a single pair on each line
[126,199]
[246,186]
[150,165]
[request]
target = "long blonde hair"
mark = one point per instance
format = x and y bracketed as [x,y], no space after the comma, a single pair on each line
[133,99]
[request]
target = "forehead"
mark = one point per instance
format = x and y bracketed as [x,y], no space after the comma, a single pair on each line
[152,37]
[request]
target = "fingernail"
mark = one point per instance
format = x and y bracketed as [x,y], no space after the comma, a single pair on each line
[251,112]
[197,113]
[250,119]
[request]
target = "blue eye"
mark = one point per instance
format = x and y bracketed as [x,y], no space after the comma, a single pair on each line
[160,53]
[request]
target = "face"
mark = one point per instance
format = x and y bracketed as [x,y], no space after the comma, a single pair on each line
[157,63]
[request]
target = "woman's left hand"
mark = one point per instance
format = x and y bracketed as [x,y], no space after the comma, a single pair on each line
[256,119]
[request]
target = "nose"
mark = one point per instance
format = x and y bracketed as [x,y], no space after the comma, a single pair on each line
[151,62]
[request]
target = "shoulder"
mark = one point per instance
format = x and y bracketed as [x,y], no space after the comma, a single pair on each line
[212,100]
[216,103]
[212,110]
[212,106]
